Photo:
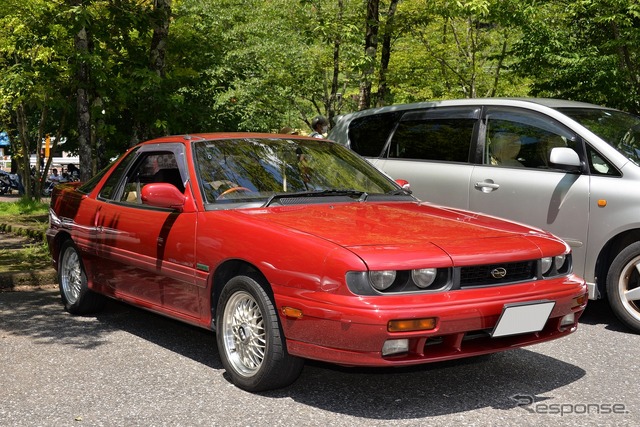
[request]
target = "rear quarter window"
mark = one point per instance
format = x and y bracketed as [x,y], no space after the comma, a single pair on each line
[368,135]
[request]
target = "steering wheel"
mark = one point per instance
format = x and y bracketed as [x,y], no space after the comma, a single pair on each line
[232,190]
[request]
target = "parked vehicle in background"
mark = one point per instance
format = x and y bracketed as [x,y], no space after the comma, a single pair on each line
[292,247]
[10,182]
[567,167]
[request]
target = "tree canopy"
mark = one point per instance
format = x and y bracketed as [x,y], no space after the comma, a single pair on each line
[105,74]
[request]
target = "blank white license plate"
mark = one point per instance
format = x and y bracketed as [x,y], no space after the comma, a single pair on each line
[520,318]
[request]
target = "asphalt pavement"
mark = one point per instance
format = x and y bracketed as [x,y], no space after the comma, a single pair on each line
[128,367]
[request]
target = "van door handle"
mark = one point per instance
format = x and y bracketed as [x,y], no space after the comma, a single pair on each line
[486,186]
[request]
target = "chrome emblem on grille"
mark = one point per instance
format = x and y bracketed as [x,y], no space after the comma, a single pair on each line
[498,273]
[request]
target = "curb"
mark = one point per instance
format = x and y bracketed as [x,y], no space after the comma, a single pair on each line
[20,230]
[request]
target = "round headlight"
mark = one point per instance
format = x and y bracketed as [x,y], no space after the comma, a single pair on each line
[424,277]
[560,260]
[381,280]
[547,262]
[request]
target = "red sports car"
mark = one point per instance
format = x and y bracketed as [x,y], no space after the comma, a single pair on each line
[294,248]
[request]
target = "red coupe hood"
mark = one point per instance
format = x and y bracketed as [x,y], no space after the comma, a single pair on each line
[367,227]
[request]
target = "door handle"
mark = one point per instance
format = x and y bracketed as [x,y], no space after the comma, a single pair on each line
[486,186]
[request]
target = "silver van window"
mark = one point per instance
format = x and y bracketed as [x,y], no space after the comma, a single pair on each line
[523,140]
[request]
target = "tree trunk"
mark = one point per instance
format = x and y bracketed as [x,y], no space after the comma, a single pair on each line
[162,17]
[21,124]
[82,105]
[385,55]
[370,49]
[335,100]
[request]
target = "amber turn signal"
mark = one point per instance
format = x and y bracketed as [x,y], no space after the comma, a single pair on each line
[408,325]
[292,312]
[579,301]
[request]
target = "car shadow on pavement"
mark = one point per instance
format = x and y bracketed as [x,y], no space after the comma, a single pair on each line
[598,312]
[493,381]
[189,341]
[42,317]
[497,381]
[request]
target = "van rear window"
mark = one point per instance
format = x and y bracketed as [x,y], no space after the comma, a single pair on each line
[368,135]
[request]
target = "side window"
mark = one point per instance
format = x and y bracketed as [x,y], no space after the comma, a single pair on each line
[110,186]
[441,135]
[523,139]
[151,168]
[368,135]
[598,165]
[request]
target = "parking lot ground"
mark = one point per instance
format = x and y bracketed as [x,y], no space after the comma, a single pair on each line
[130,367]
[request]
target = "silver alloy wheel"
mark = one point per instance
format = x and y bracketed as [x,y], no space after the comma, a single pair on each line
[244,333]
[70,276]
[629,287]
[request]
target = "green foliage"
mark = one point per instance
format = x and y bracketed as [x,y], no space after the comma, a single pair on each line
[259,65]
[587,50]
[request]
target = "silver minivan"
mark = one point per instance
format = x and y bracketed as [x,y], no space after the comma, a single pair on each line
[568,167]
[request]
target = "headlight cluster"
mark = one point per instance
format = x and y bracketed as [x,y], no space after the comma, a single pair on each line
[431,280]
[422,278]
[556,266]
[400,281]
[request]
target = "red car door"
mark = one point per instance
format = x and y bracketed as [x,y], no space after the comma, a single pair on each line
[148,253]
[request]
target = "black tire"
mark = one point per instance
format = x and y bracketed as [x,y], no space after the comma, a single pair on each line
[250,341]
[623,286]
[76,295]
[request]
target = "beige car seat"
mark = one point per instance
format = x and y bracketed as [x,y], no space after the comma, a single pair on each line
[505,147]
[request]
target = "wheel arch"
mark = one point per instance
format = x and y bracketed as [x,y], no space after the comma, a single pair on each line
[608,253]
[229,269]
[56,244]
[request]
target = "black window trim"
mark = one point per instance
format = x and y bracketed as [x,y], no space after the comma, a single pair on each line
[178,149]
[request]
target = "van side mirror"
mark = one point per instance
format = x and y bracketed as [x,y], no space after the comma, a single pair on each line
[565,158]
[162,195]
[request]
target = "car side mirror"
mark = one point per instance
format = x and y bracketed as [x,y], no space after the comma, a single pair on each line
[404,184]
[565,158]
[162,195]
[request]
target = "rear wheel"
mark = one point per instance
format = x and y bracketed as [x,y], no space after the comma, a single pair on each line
[623,286]
[76,295]
[251,344]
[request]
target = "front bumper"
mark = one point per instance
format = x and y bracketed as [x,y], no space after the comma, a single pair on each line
[353,330]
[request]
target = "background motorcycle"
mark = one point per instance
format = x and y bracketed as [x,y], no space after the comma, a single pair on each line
[10,182]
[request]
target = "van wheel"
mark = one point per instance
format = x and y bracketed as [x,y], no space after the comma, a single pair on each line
[623,286]
[76,295]
[251,344]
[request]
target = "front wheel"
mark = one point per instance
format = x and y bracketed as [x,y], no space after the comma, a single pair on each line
[623,286]
[251,344]
[76,295]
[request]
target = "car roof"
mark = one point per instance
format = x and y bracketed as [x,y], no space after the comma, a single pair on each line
[212,136]
[523,102]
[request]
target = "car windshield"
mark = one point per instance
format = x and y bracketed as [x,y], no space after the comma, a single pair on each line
[265,169]
[620,130]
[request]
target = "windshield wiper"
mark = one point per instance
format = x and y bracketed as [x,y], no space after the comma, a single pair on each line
[400,192]
[361,195]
